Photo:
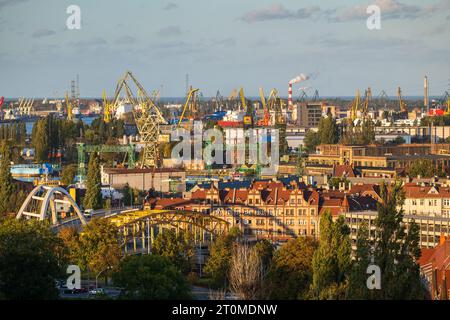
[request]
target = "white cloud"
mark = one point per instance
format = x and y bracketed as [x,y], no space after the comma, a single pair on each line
[170,31]
[279,12]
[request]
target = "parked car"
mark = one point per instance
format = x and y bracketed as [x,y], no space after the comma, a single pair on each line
[88,212]
[97,291]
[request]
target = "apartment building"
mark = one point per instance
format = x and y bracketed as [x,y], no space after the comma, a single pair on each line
[270,209]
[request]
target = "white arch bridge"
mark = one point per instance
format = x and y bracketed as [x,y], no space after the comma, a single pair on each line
[53,203]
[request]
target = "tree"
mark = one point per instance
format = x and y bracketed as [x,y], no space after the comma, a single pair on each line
[40,140]
[423,168]
[246,273]
[99,246]
[151,277]
[93,197]
[179,249]
[328,130]
[218,263]
[396,251]
[312,140]
[31,260]
[71,239]
[7,188]
[290,274]
[357,281]
[332,260]
[68,174]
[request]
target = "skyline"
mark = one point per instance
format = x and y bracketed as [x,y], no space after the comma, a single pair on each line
[224,45]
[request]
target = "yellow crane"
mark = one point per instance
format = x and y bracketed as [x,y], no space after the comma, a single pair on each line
[107,108]
[69,108]
[266,120]
[188,105]
[401,103]
[448,107]
[355,106]
[367,99]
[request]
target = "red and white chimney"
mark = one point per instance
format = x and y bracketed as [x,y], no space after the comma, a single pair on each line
[290,105]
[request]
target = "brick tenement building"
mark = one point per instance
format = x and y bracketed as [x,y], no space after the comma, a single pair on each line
[272,210]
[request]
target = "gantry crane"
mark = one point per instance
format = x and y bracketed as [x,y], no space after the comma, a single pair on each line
[266,120]
[355,106]
[107,108]
[248,109]
[367,100]
[69,107]
[146,115]
[401,102]
[189,105]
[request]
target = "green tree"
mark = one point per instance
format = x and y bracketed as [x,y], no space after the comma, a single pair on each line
[396,251]
[99,246]
[218,263]
[151,277]
[312,140]
[332,260]
[93,197]
[358,277]
[328,130]
[31,260]
[40,140]
[423,168]
[7,188]
[68,174]
[290,274]
[178,248]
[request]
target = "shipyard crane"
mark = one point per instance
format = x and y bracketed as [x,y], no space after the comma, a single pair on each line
[266,120]
[69,108]
[367,101]
[219,101]
[276,103]
[233,99]
[146,115]
[189,104]
[355,106]
[107,108]
[248,118]
[401,102]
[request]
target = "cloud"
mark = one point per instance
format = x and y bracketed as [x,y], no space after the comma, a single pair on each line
[170,6]
[5,3]
[90,42]
[43,33]
[170,31]
[228,42]
[125,40]
[448,18]
[279,12]
[392,9]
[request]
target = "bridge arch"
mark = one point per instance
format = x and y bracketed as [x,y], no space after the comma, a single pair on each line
[41,198]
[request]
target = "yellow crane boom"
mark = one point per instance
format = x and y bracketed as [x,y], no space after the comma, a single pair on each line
[69,108]
[190,95]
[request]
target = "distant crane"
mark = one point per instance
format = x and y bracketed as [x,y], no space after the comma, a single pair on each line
[401,102]
[107,108]
[266,120]
[355,106]
[188,105]
[367,101]
[147,117]
[69,108]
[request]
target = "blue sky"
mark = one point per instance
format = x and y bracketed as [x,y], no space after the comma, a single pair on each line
[224,45]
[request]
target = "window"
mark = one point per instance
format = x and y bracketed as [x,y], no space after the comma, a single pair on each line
[313,212]
[446,202]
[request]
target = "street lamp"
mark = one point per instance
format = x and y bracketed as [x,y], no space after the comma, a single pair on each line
[96,278]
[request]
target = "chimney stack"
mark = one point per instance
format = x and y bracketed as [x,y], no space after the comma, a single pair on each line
[426,101]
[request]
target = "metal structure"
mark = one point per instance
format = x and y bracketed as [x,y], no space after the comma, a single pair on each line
[138,226]
[401,102]
[146,115]
[69,108]
[367,101]
[42,202]
[189,105]
[355,106]
[266,120]
[107,108]
[104,148]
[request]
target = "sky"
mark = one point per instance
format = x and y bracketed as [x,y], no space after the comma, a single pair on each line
[223,45]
